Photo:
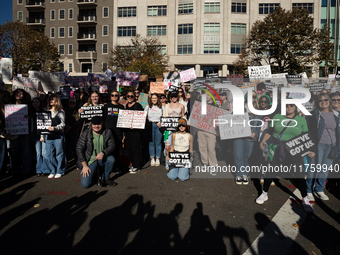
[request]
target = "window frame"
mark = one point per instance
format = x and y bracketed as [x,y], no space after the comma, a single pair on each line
[70,9]
[158,9]
[51,32]
[59,36]
[302,7]
[128,9]
[187,47]
[68,49]
[60,15]
[22,2]
[235,47]
[108,12]
[106,31]
[213,47]
[185,6]
[236,5]
[126,30]
[53,10]
[206,25]
[267,7]
[107,48]
[212,4]
[59,49]
[239,26]
[22,16]
[157,28]
[68,32]
[185,26]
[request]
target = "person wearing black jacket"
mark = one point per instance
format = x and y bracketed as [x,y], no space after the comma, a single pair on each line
[95,148]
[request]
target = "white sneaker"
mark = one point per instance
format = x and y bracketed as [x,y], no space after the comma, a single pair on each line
[157,163]
[57,176]
[134,170]
[310,197]
[153,162]
[262,198]
[245,180]
[306,205]
[238,180]
[322,195]
[50,176]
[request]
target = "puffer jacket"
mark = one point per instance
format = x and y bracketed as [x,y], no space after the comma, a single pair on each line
[85,145]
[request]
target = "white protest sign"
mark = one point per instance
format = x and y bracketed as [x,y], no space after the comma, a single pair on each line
[279,78]
[236,126]
[134,119]
[16,123]
[139,118]
[188,75]
[49,81]
[259,72]
[27,84]
[6,69]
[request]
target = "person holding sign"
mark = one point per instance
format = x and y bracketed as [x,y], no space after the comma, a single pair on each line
[182,141]
[285,128]
[154,113]
[324,129]
[55,141]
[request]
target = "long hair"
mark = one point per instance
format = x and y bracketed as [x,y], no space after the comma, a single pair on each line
[184,97]
[90,101]
[57,102]
[26,98]
[318,97]
[40,104]
[158,104]
[134,95]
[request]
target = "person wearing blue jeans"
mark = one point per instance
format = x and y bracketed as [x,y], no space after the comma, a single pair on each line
[40,148]
[95,149]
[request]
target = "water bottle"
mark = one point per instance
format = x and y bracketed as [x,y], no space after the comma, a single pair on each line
[265,152]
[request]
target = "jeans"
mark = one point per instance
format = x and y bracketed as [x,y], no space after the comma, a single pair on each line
[319,178]
[55,156]
[181,173]
[2,152]
[242,151]
[107,162]
[40,149]
[22,154]
[156,141]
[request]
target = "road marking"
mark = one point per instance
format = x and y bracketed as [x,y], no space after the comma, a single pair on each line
[280,233]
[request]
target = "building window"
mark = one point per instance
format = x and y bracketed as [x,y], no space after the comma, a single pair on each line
[185,29]
[70,49]
[126,31]
[184,49]
[157,10]
[52,14]
[156,30]
[239,7]
[163,49]
[61,32]
[70,67]
[70,31]
[105,51]
[19,1]
[104,64]
[267,8]
[52,1]
[185,8]
[236,48]
[19,16]
[212,6]
[211,48]
[105,12]
[212,28]
[238,28]
[61,14]
[70,13]
[127,11]
[307,6]
[105,30]
[52,32]
[61,1]
[61,48]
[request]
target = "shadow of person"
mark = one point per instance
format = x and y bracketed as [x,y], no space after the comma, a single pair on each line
[201,237]
[158,235]
[49,231]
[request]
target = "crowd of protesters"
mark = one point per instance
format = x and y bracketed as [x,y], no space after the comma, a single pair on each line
[99,142]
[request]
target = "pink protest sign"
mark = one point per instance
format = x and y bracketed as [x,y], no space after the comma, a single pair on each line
[16,123]
[188,75]
[127,78]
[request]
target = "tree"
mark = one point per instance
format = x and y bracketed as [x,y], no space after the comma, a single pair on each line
[30,49]
[287,40]
[143,55]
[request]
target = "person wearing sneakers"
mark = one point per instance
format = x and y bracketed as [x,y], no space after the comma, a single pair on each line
[154,113]
[287,127]
[95,148]
[182,141]
[55,141]
[324,129]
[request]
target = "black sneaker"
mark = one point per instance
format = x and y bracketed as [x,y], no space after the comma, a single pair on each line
[239,180]
[109,182]
[245,180]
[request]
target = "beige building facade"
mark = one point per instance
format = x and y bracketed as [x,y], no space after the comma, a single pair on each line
[205,34]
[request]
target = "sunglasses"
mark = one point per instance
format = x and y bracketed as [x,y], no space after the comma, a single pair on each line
[290,105]
[180,91]
[114,95]
[336,100]
[324,100]
[264,102]
[181,125]
[163,97]
[130,96]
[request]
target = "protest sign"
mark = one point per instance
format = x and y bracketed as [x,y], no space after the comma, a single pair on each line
[335,89]
[259,72]
[95,88]
[270,86]
[16,122]
[127,78]
[179,160]
[157,87]
[6,69]
[48,81]
[64,92]
[188,75]
[172,76]
[109,74]
[169,123]
[294,79]
[44,120]
[131,119]
[279,79]
[235,126]
[236,79]
[173,88]
[143,99]
[78,81]
[205,122]
[212,78]
[91,111]
[111,85]
[96,79]
[103,89]
[27,84]
[299,146]
[296,95]
[168,83]
[315,87]
[309,106]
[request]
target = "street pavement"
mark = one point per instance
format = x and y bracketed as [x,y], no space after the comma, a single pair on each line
[146,213]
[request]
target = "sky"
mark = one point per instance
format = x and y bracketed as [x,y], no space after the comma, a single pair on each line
[5,11]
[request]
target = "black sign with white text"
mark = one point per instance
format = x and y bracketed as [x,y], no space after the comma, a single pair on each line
[180,159]
[91,111]
[169,123]
[299,146]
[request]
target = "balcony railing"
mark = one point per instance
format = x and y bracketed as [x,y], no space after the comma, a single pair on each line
[86,18]
[87,2]
[35,4]
[35,21]
[86,55]
[81,36]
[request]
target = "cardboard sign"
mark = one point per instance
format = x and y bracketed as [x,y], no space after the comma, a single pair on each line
[44,120]
[143,99]
[179,160]
[316,87]
[236,126]
[205,122]
[236,79]
[294,79]
[27,84]
[127,79]
[91,111]
[157,87]
[188,75]
[259,72]
[172,76]
[299,146]
[279,79]
[169,123]
[6,69]
[131,119]
[64,92]
[16,123]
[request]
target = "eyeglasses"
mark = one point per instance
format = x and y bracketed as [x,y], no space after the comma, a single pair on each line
[290,105]
[336,100]
[130,96]
[264,102]
[114,95]
[324,100]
